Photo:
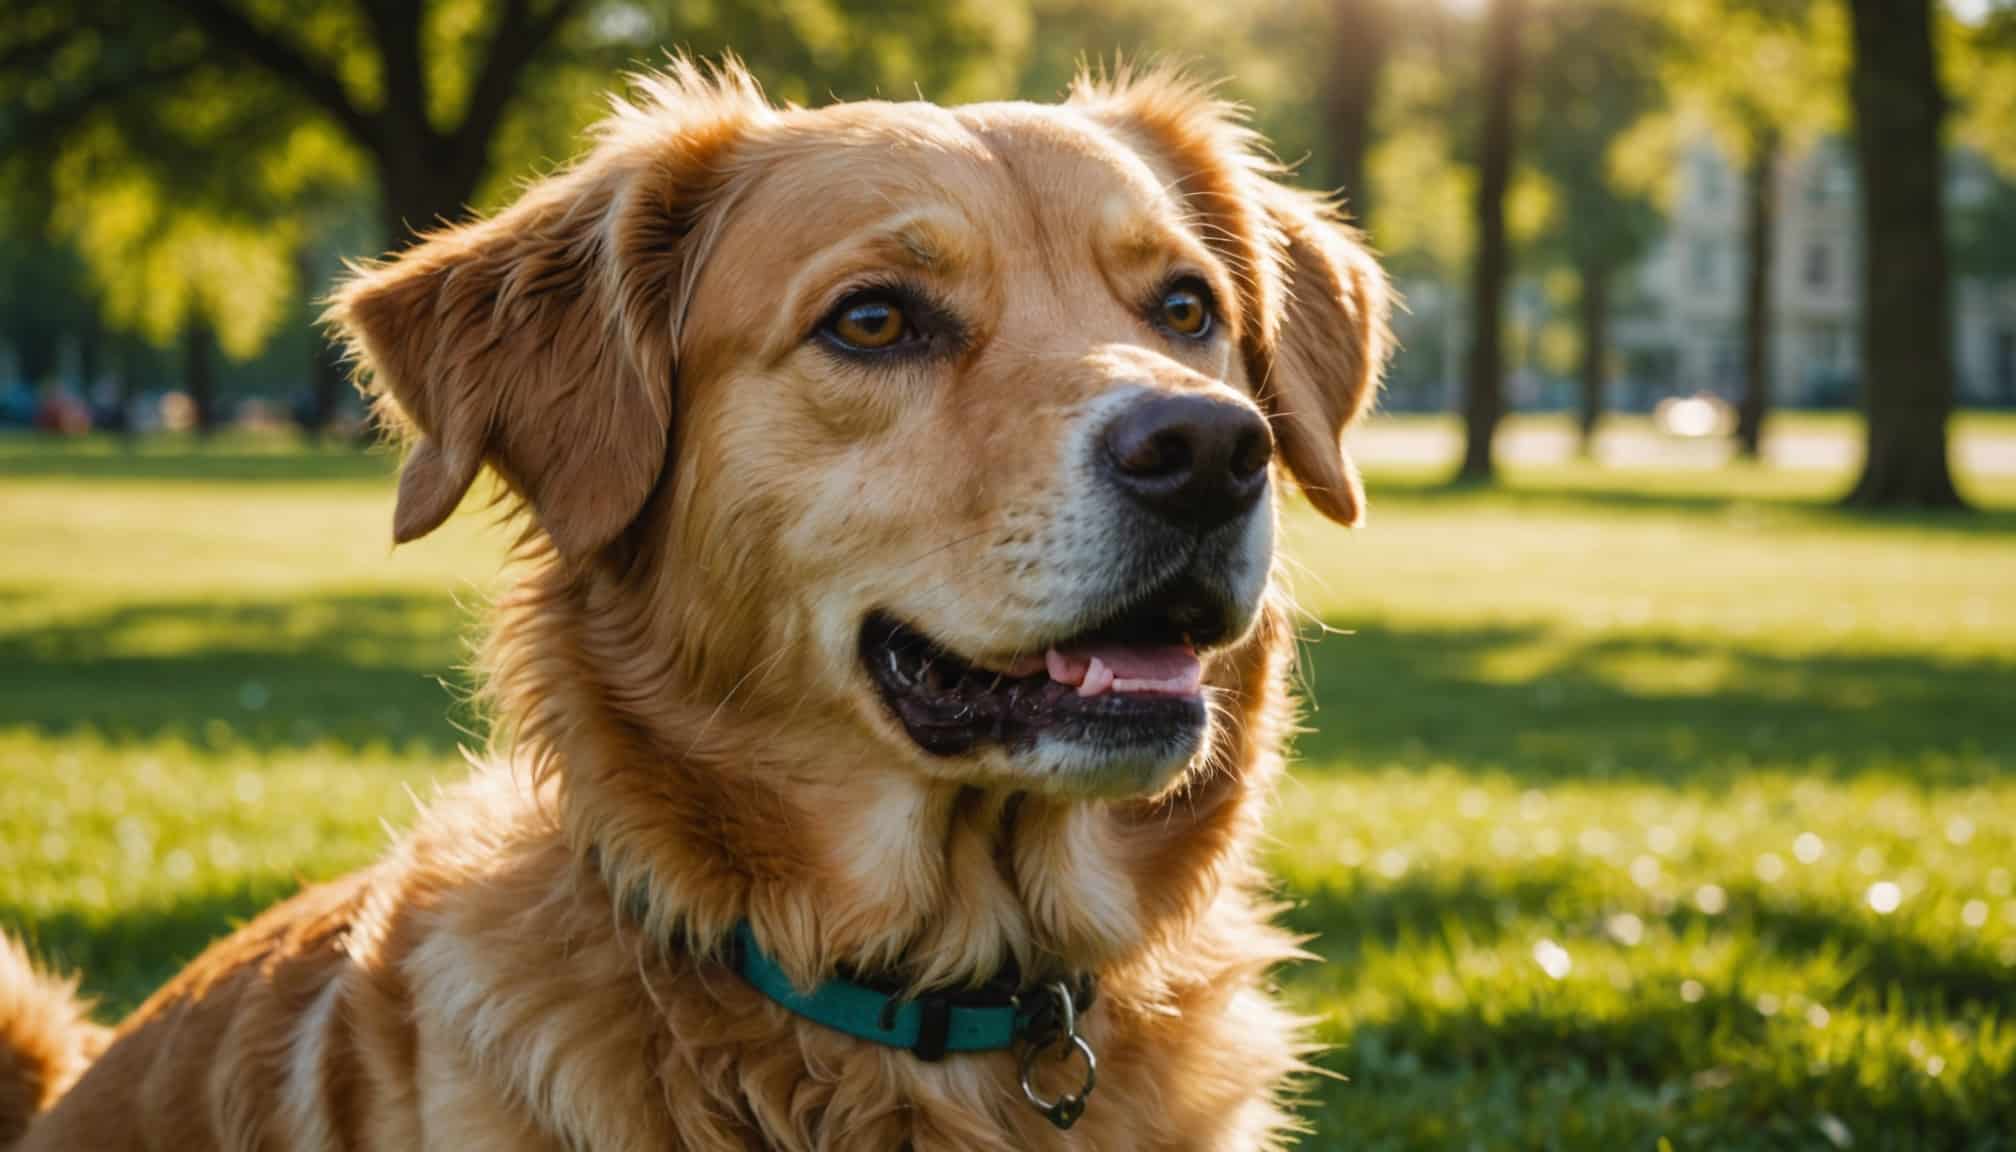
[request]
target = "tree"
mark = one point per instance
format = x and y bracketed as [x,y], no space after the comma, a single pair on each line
[1484,384]
[1595,93]
[1760,246]
[267,119]
[1907,341]
[1360,44]
[174,268]
[199,369]
[178,179]
[308,58]
[42,295]
[1764,76]
[1980,60]
[427,172]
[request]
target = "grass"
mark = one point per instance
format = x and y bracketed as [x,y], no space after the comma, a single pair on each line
[1671,810]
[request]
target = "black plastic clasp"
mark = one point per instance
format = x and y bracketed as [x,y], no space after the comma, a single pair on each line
[934,1029]
[735,955]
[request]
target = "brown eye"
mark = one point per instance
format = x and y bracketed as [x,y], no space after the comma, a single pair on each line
[1186,309]
[870,323]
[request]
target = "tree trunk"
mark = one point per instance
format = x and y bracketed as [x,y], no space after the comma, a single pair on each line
[428,175]
[1484,387]
[1907,333]
[1595,348]
[419,194]
[132,371]
[325,387]
[422,183]
[317,408]
[91,364]
[1758,287]
[90,351]
[1358,61]
[39,352]
[199,372]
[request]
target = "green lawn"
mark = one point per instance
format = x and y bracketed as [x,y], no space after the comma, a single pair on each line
[1681,812]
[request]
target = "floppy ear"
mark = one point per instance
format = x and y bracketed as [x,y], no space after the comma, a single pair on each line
[541,341]
[1329,345]
[1314,309]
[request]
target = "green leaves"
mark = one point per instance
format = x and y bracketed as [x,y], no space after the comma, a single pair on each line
[1742,67]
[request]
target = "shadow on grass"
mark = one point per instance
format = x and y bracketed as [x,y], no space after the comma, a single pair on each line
[1711,1074]
[1614,495]
[1419,906]
[122,956]
[1439,1069]
[169,461]
[367,669]
[357,670]
[1427,696]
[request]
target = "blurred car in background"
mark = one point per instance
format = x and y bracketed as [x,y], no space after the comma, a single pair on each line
[17,405]
[62,411]
[1694,417]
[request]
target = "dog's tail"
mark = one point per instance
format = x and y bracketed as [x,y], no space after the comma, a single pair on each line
[46,1039]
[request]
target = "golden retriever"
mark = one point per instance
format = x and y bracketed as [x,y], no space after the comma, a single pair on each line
[899,487]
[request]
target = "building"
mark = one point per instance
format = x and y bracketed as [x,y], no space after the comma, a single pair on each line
[1678,318]
[1681,329]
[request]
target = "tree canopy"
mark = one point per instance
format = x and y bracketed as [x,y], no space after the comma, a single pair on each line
[176,162]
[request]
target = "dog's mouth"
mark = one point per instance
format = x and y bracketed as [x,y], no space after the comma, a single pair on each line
[1131,684]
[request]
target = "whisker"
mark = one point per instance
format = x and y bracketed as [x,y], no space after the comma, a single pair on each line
[947,546]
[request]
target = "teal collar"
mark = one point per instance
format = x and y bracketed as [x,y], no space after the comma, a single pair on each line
[1042,1021]
[930,1025]
[993,1018]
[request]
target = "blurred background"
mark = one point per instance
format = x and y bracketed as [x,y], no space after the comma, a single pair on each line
[1657,789]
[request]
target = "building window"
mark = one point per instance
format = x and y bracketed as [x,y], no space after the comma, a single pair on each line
[1819,266]
[1727,367]
[1819,183]
[1824,344]
[1708,178]
[1703,253]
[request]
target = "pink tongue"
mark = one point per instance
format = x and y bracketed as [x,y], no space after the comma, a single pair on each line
[1148,670]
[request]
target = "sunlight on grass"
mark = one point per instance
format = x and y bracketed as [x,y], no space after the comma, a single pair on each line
[1668,805]
[121,859]
[1788,948]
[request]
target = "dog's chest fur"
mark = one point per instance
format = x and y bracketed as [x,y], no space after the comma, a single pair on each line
[479,989]
[602,1038]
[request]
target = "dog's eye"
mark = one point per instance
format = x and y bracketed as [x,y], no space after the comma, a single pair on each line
[1185,309]
[871,322]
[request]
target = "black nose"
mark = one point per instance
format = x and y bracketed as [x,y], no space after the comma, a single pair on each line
[1192,460]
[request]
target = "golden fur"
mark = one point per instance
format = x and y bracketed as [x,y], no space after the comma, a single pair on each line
[679,711]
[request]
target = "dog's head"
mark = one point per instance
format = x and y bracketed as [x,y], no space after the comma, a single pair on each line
[950,434]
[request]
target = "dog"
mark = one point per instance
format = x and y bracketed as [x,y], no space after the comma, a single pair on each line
[897,624]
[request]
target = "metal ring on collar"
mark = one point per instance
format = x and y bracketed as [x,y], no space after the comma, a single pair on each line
[1066,1109]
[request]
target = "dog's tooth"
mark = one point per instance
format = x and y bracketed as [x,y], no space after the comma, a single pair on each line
[1098,679]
